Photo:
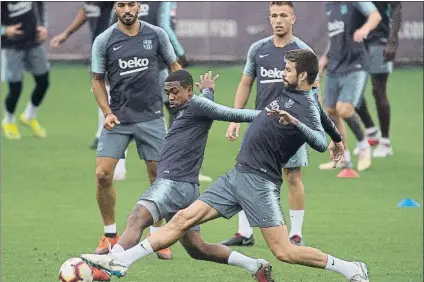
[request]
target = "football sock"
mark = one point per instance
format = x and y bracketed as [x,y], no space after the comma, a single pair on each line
[250,264]
[296,222]
[135,253]
[346,268]
[244,228]
[30,111]
[110,230]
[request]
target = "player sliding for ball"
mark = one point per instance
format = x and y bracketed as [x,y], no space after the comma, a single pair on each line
[272,138]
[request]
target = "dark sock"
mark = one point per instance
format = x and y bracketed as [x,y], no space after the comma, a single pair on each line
[40,89]
[354,124]
[110,235]
[15,90]
[364,114]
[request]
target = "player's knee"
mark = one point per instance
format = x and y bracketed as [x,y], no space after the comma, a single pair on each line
[104,177]
[345,110]
[331,111]
[293,177]
[181,220]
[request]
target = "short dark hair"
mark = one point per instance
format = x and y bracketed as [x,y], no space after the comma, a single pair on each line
[183,76]
[306,61]
[281,3]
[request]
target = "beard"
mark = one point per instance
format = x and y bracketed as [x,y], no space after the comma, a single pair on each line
[290,86]
[128,21]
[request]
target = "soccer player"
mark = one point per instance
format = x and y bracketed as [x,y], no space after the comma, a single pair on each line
[381,44]
[128,53]
[349,23]
[98,15]
[265,61]
[23,30]
[177,184]
[254,184]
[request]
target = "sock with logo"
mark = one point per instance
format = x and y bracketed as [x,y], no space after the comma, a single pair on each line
[244,228]
[346,268]
[135,253]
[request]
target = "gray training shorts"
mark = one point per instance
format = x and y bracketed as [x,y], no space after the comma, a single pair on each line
[378,62]
[347,88]
[148,135]
[15,61]
[257,196]
[166,197]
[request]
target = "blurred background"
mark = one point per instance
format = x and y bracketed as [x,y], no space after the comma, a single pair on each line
[48,207]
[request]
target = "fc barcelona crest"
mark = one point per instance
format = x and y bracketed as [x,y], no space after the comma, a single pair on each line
[147,44]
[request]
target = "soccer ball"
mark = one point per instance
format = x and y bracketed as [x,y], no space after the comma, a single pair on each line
[75,270]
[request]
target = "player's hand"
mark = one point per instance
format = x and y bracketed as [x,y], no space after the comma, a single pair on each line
[58,39]
[182,60]
[206,81]
[285,117]
[336,152]
[110,121]
[13,30]
[41,33]
[323,60]
[389,51]
[360,34]
[233,131]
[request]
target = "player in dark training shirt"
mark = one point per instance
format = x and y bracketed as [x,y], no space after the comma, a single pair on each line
[265,63]
[347,61]
[381,44]
[272,139]
[177,185]
[23,30]
[98,16]
[128,53]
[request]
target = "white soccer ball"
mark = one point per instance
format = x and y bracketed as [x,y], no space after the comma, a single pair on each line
[75,270]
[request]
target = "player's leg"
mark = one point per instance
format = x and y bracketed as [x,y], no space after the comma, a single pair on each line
[118,263]
[371,131]
[379,82]
[331,94]
[352,88]
[111,148]
[278,241]
[260,199]
[149,137]
[198,249]
[380,71]
[37,63]
[218,200]
[293,175]
[12,68]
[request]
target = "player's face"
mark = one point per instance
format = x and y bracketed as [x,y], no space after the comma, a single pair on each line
[282,19]
[290,77]
[177,95]
[127,12]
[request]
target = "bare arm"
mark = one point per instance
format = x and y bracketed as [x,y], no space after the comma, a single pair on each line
[76,24]
[390,50]
[243,91]
[100,93]
[175,66]
[369,10]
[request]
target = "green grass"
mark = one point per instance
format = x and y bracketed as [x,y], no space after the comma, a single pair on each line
[49,212]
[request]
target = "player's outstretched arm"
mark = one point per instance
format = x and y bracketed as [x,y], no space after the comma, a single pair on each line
[207,108]
[313,131]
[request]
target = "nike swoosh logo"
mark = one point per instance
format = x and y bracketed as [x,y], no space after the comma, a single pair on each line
[117,48]
[263,56]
